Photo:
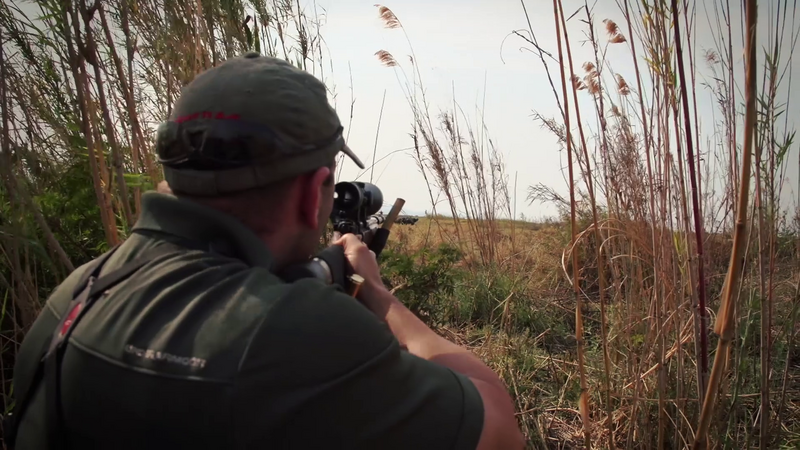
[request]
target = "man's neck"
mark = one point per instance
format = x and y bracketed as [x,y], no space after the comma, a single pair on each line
[282,247]
[280,241]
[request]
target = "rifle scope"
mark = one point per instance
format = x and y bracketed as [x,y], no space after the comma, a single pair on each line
[353,203]
[354,198]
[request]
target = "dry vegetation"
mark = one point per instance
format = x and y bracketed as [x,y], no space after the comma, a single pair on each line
[606,323]
[623,324]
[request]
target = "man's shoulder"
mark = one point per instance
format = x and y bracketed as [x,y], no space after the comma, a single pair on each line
[199,314]
[172,264]
[319,327]
[183,313]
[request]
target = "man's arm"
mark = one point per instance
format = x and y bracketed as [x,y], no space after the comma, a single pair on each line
[500,428]
[323,371]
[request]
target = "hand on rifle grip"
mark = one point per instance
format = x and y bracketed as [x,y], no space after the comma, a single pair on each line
[363,262]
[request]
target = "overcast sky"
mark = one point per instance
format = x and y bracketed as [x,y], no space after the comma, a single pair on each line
[460,48]
[465,48]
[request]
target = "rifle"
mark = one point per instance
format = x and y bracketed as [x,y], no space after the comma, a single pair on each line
[355,210]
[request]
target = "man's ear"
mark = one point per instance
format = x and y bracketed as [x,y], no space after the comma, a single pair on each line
[311,198]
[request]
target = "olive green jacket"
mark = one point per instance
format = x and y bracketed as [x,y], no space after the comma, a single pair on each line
[204,347]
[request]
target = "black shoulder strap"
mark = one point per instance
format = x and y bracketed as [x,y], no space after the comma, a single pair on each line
[11,421]
[86,292]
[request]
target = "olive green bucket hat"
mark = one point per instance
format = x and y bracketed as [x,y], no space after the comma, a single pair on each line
[248,122]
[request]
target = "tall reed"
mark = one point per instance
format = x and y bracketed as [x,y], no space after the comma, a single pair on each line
[667,226]
[457,160]
[723,327]
[583,403]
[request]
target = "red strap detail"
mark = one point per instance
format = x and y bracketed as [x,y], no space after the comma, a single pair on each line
[70,319]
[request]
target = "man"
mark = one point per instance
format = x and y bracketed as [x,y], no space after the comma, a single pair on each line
[185,337]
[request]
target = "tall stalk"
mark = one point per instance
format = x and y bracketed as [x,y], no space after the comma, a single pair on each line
[127,94]
[598,240]
[79,75]
[789,352]
[92,52]
[700,312]
[650,186]
[24,297]
[762,294]
[724,323]
[583,403]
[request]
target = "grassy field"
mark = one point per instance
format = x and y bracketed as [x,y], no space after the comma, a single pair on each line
[519,316]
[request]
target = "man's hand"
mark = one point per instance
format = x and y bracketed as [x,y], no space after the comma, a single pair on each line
[364,263]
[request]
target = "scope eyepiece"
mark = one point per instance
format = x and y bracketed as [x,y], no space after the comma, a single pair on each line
[356,200]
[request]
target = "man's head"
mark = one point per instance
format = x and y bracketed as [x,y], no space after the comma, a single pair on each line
[256,138]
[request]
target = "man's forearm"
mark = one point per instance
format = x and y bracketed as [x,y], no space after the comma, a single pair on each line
[423,342]
[500,428]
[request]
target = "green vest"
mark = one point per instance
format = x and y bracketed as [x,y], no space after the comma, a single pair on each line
[205,347]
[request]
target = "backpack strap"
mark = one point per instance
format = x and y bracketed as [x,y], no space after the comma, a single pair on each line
[11,421]
[87,291]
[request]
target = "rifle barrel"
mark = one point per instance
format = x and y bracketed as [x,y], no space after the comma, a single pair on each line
[393,213]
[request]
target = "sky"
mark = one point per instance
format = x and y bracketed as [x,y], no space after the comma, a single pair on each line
[458,50]
[465,50]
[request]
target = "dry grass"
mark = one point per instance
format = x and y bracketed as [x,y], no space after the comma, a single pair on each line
[536,357]
[621,299]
